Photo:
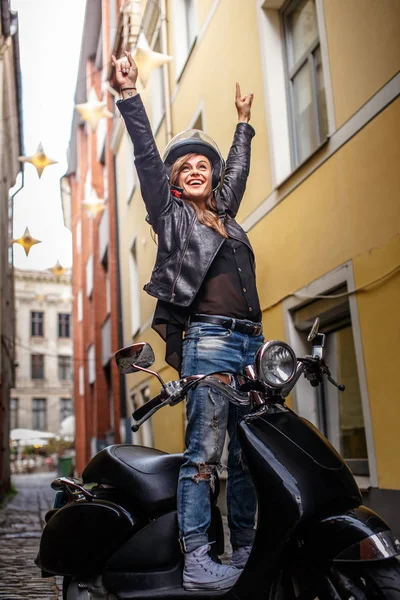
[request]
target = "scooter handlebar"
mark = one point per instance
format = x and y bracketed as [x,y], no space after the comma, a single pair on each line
[144,412]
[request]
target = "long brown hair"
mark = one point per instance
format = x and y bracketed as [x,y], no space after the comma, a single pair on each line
[207,216]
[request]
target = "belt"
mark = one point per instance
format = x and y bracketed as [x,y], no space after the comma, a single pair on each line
[228,323]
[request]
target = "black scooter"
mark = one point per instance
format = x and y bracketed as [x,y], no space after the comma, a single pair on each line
[115,534]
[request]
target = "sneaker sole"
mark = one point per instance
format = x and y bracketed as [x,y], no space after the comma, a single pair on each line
[214,586]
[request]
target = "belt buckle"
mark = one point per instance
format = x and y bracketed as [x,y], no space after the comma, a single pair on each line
[257,330]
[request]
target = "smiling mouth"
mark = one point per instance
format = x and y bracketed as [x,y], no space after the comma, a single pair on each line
[196,182]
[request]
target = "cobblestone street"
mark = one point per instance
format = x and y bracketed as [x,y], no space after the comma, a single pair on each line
[21,522]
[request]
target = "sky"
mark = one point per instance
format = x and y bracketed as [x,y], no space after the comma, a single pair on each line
[50,33]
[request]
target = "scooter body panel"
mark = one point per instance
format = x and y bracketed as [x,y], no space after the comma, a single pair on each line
[357,535]
[79,537]
[298,475]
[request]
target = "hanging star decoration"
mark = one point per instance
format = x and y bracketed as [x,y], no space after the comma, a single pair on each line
[147,60]
[93,204]
[57,269]
[93,110]
[39,160]
[26,241]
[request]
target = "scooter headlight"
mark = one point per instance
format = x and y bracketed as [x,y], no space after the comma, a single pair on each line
[275,364]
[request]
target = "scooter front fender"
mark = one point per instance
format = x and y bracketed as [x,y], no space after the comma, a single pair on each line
[357,535]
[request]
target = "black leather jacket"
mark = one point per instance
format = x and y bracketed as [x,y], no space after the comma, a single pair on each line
[186,248]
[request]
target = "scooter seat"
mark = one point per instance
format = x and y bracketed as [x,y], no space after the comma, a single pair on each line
[148,476]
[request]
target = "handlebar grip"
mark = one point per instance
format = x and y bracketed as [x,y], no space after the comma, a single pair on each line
[148,406]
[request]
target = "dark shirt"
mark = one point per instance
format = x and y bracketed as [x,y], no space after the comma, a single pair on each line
[229,289]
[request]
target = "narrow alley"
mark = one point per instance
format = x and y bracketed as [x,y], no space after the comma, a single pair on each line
[21,523]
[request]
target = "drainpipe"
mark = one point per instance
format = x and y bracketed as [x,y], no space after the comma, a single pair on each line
[164,50]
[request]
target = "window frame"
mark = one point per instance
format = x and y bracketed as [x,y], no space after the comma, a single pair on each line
[307,58]
[14,413]
[64,326]
[39,409]
[181,20]
[301,394]
[67,366]
[40,367]
[39,324]
[70,411]
[276,108]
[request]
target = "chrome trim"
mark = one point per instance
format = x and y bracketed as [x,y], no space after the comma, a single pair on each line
[72,488]
[379,546]
[258,360]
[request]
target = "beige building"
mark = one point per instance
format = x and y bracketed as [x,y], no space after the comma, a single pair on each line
[322,201]
[10,149]
[43,395]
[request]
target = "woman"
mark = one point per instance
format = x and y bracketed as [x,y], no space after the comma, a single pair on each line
[204,279]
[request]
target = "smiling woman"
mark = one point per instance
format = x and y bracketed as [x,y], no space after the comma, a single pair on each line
[204,280]
[191,175]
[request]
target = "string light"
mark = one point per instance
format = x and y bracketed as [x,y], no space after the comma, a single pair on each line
[147,60]
[26,241]
[39,160]
[57,269]
[93,110]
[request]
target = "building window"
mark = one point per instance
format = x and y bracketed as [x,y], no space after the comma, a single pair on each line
[78,236]
[185,31]
[79,303]
[39,414]
[134,289]
[64,368]
[65,408]
[305,82]
[37,324]
[89,276]
[91,364]
[14,414]
[147,428]
[157,91]
[64,325]
[338,415]
[81,380]
[37,366]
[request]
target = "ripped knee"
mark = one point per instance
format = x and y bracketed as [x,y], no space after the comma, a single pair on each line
[205,472]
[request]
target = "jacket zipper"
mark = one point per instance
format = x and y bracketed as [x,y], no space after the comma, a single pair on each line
[183,256]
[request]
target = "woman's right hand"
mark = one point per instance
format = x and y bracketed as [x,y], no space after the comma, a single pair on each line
[126,71]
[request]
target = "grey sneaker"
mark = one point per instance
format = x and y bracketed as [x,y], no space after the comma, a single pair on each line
[240,557]
[202,573]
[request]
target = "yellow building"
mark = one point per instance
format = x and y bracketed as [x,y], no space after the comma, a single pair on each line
[322,203]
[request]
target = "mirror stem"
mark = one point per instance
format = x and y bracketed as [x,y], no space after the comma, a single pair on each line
[151,373]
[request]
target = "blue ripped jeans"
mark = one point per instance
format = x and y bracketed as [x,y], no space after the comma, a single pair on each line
[209,348]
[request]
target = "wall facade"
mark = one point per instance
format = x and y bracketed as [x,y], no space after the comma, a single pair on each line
[323,216]
[10,149]
[43,393]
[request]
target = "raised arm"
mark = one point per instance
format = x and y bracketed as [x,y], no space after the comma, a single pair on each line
[150,168]
[238,161]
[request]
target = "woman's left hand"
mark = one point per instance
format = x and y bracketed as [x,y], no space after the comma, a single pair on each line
[243,105]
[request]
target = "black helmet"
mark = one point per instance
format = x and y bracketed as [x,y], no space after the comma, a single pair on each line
[194,140]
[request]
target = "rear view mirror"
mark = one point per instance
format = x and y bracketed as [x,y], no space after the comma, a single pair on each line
[132,359]
[314,330]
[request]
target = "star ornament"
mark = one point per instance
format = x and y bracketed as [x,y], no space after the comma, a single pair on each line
[57,269]
[39,160]
[26,241]
[93,110]
[94,205]
[147,60]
